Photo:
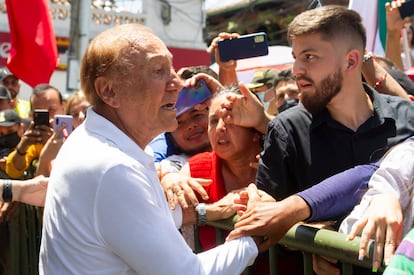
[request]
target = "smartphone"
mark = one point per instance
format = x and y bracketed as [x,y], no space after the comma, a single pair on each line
[59,120]
[188,97]
[406,9]
[41,117]
[245,46]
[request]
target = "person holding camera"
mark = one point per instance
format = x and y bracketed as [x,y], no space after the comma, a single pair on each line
[44,97]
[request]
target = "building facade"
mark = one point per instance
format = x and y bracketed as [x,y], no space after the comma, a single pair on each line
[179,24]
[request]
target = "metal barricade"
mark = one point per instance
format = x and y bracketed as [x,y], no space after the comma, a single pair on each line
[311,240]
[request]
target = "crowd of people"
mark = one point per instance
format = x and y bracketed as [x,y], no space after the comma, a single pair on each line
[142,174]
[27,154]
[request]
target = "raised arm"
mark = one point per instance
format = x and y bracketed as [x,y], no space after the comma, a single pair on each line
[227,70]
[377,77]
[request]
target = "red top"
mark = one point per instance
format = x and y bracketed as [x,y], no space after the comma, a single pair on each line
[207,166]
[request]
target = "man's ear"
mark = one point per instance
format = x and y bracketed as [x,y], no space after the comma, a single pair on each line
[353,59]
[106,93]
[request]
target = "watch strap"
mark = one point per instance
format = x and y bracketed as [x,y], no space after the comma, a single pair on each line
[7,191]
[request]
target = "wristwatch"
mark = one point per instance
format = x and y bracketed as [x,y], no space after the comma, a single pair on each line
[7,195]
[201,214]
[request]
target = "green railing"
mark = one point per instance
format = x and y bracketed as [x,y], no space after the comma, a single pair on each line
[311,240]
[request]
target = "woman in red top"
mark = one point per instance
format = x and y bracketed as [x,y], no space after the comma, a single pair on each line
[229,166]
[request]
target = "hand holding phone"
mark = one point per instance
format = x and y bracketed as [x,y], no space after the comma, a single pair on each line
[189,97]
[41,117]
[245,46]
[59,120]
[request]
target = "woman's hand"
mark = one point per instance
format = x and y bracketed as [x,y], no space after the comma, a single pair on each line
[383,221]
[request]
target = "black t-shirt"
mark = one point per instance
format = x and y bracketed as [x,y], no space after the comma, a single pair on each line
[301,150]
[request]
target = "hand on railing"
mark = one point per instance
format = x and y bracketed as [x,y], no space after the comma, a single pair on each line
[260,215]
[383,221]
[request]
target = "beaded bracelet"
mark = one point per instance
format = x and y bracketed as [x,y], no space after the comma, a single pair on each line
[7,191]
[380,83]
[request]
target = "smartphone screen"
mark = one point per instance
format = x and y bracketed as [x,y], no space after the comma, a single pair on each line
[245,46]
[188,97]
[59,120]
[41,117]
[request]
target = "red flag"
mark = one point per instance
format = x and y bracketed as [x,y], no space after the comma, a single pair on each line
[33,54]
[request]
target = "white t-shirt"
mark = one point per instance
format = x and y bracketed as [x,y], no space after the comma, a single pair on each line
[106,213]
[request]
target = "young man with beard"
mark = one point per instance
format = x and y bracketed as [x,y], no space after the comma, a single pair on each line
[340,123]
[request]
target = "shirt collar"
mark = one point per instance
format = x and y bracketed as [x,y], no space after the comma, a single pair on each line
[100,126]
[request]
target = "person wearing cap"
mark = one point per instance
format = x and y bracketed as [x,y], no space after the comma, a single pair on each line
[286,91]
[12,83]
[11,130]
[5,99]
[262,85]
[47,97]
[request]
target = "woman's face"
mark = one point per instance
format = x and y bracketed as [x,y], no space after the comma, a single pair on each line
[191,133]
[78,110]
[227,140]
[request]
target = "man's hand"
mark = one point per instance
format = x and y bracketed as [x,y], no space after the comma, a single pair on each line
[223,208]
[32,191]
[263,216]
[181,189]
[34,135]
[245,110]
